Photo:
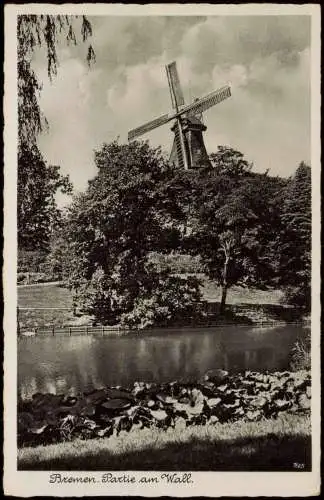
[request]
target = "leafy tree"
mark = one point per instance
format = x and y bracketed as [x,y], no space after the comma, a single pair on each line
[233,220]
[36,32]
[38,215]
[38,182]
[125,214]
[294,240]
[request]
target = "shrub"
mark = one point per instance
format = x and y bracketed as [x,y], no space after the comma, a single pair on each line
[21,277]
[30,260]
[299,296]
[174,300]
[158,299]
[301,354]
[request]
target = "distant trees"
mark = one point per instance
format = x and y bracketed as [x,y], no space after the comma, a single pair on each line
[37,181]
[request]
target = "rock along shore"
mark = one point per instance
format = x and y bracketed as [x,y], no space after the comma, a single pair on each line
[217,397]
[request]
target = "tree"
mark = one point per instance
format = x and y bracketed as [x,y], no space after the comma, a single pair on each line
[233,220]
[125,214]
[38,182]
[294,239]
[35,32]
[38,215]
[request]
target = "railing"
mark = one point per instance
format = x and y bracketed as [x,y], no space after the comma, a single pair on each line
[70,331]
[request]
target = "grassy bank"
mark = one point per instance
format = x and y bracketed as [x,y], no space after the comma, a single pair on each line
[45,305]
[273,444]
[54,295]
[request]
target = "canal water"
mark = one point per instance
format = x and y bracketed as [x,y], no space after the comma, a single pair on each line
[76,364]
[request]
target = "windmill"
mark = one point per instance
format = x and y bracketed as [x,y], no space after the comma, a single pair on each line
[188,150]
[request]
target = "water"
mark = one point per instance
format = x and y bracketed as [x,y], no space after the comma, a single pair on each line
[76,364]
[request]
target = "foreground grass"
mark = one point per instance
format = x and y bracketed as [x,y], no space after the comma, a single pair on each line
[265,445]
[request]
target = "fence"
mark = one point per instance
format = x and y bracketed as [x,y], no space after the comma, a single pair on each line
[70,331]
[73,331]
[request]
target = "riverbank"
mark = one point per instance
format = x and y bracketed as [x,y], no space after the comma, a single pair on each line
[281,444]
[43,308]
[217,398]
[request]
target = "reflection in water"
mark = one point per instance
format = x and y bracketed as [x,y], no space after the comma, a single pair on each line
[76,364]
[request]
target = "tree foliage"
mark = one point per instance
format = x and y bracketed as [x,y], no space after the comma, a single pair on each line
[124,215]
[231,219]
[247,229]
[37,32]
[37,181]
[293,242]
[38,215]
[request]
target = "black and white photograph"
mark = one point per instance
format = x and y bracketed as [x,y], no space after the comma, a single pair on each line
[161,250]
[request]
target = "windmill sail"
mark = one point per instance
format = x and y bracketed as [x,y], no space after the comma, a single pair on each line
[136,132]
[208,101]
[178,139]
[188,150]
[174,85]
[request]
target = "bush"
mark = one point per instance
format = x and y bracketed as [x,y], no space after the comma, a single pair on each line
[30,260]
[21,277]
[299,296]
[154,299]
[175,300]
[301,354]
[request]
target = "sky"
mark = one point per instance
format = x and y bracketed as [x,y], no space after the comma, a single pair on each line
[266,59]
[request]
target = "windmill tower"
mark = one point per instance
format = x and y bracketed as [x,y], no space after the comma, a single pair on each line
[188,150]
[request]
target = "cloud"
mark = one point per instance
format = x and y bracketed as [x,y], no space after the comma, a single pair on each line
[266,59]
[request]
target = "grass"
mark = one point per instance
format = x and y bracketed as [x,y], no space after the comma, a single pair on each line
[267,445]
[252,304]
[44,296]
[57,296]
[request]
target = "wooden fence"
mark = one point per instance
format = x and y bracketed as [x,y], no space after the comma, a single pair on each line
[70,331]
[57,331]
